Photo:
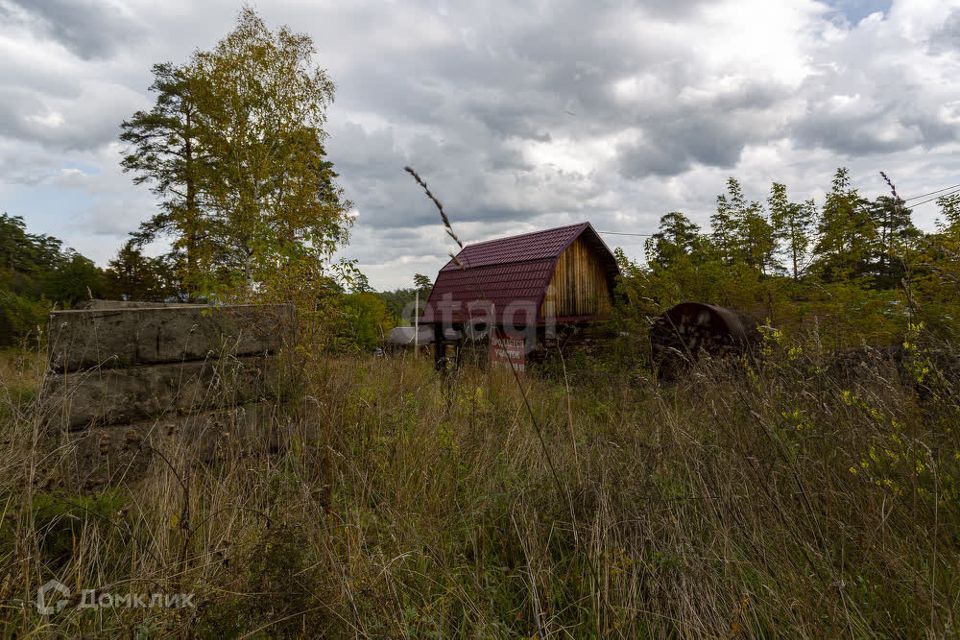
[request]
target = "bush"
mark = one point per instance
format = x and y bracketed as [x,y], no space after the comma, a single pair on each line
[20,317]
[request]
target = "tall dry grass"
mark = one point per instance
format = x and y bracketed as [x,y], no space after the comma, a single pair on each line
[786,498]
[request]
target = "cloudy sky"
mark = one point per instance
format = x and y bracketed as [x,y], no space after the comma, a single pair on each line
[521,116]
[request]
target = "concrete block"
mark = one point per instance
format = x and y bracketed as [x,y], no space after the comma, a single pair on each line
[120,396]
[121,454]
[128,337]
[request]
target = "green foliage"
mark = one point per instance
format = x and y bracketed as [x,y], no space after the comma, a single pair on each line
[166,152]
[76,278]
[846,233]
[950,210]
[60,519]
[364,321]
[861,276]
[741,232]
[792,225]
[401,302]
[35,274]
[935,273]
[674,243]
[134,276]
[20,316]
[26,254]
[896,238]
[234,149]
[422,283]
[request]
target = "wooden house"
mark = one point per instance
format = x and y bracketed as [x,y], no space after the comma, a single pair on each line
[523,287]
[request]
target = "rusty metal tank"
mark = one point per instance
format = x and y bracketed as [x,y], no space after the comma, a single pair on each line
[686,332]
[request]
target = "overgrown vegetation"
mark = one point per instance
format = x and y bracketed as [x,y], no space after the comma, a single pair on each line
[36,271]
[857,269]
[792,498]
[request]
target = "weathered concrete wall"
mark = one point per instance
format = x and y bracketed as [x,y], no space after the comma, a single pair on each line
[120,338]
[123,380]
[120,396]
[116,454]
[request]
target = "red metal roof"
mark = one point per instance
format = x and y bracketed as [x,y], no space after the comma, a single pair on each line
[538,245]
[510,274]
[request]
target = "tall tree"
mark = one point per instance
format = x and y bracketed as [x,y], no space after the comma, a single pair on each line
[934,277]
[675,240]
[895,236]
[846,232]
[741,231]
[950,210]
[723,230]
[234,148]
[792,224]
[422,283]
[166,150]
[271,190]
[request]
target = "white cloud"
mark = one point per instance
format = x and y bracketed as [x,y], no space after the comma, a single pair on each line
[519,115]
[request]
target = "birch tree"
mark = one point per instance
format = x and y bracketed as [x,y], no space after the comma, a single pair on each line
[261,210]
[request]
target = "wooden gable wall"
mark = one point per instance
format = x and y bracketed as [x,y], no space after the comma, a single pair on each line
[579,285]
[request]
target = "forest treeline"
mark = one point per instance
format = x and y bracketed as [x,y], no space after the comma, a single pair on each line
[854,269]
[857,269]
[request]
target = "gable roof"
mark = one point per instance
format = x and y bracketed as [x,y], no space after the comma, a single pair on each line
[537,245]
[511,274]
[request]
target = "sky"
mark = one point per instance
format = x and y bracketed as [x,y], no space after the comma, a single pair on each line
[520,116]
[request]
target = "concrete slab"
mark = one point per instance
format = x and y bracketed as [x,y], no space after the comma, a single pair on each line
[120,396]
[129,337]
[123,454]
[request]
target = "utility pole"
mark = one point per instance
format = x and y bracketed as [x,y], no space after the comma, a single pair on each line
[416,324]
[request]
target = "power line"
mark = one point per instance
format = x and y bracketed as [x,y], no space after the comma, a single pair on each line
[875,206]
[624,233]
[946,195]
[923,195]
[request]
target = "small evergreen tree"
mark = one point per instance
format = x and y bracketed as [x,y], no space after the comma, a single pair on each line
[134,276]
[846,233]
[895,237]
[676,240]
[741,232]
[792,224]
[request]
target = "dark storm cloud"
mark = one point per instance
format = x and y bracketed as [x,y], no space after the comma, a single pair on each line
[549,78]
[511,120]
[86,122]
[88,28]
[519,115]
[712,133]
[873,128]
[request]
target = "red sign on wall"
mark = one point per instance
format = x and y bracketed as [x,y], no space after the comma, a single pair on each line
[504,350]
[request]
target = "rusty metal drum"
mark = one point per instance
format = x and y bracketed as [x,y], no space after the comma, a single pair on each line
[686,332]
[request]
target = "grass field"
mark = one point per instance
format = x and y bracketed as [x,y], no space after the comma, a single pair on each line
[768,501]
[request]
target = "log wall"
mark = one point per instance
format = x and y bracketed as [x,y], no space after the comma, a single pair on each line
[579,287]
